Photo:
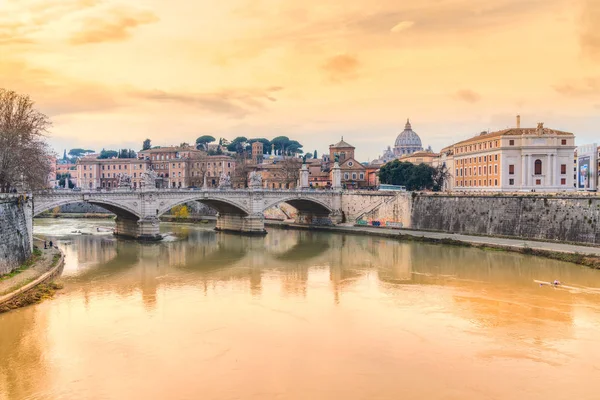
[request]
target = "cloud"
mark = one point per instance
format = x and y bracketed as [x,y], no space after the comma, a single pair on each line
[588,87]
[341,67]
[590,34]
[114,27]
[468,96]
[33,17]
[402,26]
[236,103]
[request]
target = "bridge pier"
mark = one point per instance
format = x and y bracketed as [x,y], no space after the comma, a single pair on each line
[246,224]
[141,229]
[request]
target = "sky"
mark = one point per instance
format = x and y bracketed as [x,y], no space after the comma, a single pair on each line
[111,73]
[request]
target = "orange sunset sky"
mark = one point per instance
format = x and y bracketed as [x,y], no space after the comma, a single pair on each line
[112,72]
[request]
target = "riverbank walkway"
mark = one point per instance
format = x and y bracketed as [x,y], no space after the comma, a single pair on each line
[46,261]
[477,240]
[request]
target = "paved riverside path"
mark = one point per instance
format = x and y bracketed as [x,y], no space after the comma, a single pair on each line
[480,240]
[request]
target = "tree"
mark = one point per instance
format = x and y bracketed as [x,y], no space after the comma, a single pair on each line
[203,141]
[281,142]
[308,156]
[294,148]
[180,212]
[288,171]
[24,153]
[104,154]
[315,155]
[79,152]
[147,144]
[414,177]
[440,176]
[239,144]
[127,153]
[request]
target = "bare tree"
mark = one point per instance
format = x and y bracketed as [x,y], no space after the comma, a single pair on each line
[241,171]
[24,153]
[288,172]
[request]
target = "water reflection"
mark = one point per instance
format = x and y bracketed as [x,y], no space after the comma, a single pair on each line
[302,308]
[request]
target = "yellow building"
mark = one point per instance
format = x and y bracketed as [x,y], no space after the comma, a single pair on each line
[515,159]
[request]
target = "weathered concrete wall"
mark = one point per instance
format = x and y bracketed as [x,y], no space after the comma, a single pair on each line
[195,208]
[16,231]
[362,204]
[571,219]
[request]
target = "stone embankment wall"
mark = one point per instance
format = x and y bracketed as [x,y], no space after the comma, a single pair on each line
[370,206]
[564,218]
[567,218]
[15,231]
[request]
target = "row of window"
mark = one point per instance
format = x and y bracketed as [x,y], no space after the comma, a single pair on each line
[471,160]
[475,183]
[475,171]
[347,176]
[478,146]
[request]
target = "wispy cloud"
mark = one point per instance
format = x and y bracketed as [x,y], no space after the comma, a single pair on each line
[114,27]
[590,33]
[402,26]
[341,67]
[467,95]
[585,88]
[236,103]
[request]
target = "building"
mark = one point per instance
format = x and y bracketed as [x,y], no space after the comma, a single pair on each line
[407,142]
[257,152]
[515,159]
[213,167]
[355,175]
[587,167]
[93,173]
[420,157]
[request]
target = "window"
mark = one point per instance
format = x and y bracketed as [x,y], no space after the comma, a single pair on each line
[354,176]
[457,172]
[480,182]
[511,142]
[538,181]
[563,169]
[135,174]
[350,163]
[103,168]
[563,142]
[346,175]
[496,157]
[119,166]
[538,167]
[103,175]
[479,170]
[563,181]
[511,181]
[362,176]
[495,182]
[479,159]
[485,158]
[496,169]
[484,170]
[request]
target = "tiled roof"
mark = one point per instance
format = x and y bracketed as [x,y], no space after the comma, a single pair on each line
[341,144]
[513,132]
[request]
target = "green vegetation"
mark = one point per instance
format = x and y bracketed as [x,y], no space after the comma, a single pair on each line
[414,177]
[203,141]
[180,212]
[123,153]
[147,145]
[33,296]
[37,253]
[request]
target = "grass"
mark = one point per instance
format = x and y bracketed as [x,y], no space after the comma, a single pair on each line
[37,253]
[33,296]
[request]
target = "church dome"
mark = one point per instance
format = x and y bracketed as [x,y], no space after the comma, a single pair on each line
[408,141]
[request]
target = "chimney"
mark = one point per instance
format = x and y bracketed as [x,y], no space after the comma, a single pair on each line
[518,121]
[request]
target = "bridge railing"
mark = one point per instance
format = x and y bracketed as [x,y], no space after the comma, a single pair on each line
[177,190]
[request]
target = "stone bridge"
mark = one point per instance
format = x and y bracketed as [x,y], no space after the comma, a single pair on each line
[239,210]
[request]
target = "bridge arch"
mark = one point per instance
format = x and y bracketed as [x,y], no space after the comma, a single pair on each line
[303,205]
[222,205]
[117,208]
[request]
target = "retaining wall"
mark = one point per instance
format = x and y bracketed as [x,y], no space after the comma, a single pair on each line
[16,241]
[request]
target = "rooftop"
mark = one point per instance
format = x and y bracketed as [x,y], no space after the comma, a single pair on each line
[342,144]
[539,131]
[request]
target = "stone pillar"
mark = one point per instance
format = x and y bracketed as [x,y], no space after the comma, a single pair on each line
[28,210]
[142,229]
[336,177]
[552,172]
[250,225]
[304,177]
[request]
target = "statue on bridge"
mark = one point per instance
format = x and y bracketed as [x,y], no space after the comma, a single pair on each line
[124,181]
[224,181]
[150,179]
[255,180]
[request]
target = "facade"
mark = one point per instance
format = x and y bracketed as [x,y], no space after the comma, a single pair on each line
[257,152]
[355,175]
[213,166]
[93,173]
[407,142]
[515,159]
[420,157]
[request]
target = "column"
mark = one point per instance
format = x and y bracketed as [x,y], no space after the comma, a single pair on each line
[552,172]
[523,171]
[304,184]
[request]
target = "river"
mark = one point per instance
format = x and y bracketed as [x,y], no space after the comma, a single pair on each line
[300,315]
